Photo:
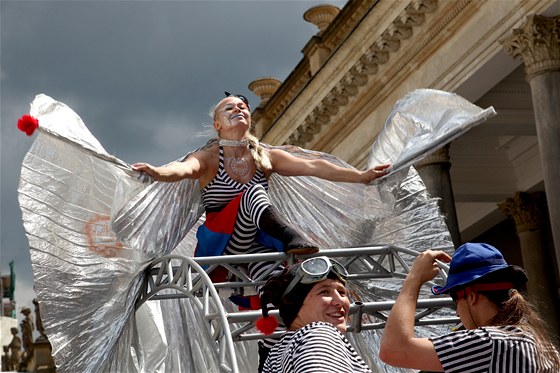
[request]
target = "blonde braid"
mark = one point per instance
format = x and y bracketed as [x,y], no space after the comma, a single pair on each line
[260,154]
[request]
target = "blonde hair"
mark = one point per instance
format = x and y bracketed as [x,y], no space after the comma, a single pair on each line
[258,152]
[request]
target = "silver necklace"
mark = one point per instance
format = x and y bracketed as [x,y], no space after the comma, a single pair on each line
[239,166]
[226,142]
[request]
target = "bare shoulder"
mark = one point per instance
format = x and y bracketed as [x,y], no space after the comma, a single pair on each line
[206,155]
[277,154]
[208,163]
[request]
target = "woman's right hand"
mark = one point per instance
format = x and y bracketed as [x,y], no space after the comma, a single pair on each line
[147,168]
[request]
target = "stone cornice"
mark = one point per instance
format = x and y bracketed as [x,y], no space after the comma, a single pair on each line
[331,38]
[346,20]
[537,42]
[264,117]
[379,53]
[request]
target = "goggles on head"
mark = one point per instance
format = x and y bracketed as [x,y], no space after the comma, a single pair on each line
[241,97]
[315,270]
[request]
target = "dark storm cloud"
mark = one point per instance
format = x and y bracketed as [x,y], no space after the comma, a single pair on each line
[141,74]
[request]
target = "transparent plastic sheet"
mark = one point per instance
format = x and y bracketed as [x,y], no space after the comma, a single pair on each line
[76,200]
[422,122]
[331,214]
[83,275]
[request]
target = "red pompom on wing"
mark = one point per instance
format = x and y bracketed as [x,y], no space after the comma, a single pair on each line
[27,124]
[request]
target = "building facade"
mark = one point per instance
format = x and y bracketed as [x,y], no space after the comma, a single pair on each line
[499,183]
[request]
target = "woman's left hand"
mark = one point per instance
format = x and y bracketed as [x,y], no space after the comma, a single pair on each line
[373,173]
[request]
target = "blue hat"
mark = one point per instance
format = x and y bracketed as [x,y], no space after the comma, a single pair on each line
[470,262]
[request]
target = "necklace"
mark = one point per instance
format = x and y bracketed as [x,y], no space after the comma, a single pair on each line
[239,166]
[226,142]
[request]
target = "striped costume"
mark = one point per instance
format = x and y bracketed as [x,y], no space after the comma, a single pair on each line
[316,348]
[232,212]
[490,349]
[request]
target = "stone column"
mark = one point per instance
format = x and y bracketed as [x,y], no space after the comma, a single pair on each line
[434,171]
[537,42]
[528,211]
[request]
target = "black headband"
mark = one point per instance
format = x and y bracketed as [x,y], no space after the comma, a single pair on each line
[241,97]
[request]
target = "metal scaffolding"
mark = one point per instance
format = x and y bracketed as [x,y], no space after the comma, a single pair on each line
[173,277]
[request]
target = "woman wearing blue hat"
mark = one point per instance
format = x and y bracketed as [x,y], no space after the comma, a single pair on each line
[503,332]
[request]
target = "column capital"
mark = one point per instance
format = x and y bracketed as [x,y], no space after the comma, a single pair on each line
[526,209]
[537,42]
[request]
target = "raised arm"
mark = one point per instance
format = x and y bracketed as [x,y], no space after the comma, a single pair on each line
[286,164]
[399,346]
[193,167]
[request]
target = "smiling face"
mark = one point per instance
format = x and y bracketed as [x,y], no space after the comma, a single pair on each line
[327,301]
[231,115]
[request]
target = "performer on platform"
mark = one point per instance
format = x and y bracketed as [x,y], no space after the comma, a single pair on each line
[233,174]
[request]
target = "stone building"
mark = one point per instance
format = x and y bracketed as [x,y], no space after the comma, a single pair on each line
[500,182]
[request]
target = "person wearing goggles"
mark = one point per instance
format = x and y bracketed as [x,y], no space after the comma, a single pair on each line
[313,304]
[503,332]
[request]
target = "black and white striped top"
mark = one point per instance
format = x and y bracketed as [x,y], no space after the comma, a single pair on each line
[316,348]
[223,189]
[490,349]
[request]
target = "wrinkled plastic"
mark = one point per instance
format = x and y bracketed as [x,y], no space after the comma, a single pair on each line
[94,225]
[420,124]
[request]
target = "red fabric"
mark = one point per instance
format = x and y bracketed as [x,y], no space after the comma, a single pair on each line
[254,303]
[224,221]
[219,274]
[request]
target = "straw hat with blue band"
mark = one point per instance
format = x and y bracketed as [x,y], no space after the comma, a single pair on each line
[479,263]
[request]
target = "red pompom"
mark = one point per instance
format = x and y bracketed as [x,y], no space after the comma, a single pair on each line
[267,325]
[28,124]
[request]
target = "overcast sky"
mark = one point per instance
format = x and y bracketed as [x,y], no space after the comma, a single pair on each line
[137,72]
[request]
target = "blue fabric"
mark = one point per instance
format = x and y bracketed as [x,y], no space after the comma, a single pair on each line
[269,241]
[210,243]
[213,243]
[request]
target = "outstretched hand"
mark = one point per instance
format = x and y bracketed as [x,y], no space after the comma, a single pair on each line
[145,167]
[373,173]
[425,268]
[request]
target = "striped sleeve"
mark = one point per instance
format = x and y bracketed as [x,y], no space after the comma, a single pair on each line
[464,351]
[493,348]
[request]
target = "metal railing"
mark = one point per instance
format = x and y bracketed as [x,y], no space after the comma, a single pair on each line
[173,277]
